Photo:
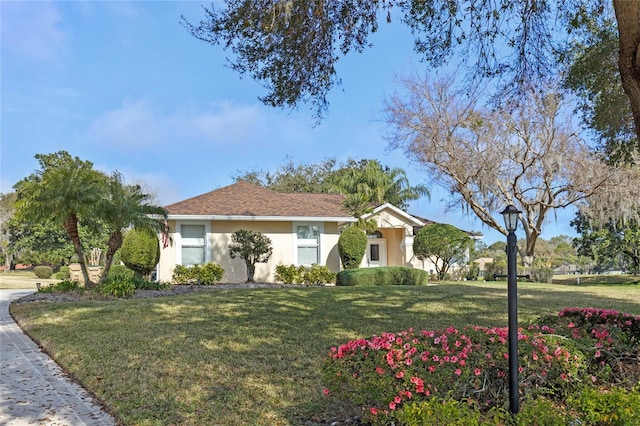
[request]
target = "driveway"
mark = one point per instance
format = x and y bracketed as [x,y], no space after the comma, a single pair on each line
[33,388]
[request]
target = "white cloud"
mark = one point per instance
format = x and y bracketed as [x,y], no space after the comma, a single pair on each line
[137,125]
[32,30]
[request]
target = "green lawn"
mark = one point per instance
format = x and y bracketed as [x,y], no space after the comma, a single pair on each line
[240,357]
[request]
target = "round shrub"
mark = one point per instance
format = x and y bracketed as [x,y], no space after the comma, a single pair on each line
[63,273]
[140,251]
[352,245]
[43,271]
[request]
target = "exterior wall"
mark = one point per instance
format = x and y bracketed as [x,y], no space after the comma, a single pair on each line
[218,236]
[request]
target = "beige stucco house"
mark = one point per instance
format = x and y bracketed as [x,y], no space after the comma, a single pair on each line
[303,228]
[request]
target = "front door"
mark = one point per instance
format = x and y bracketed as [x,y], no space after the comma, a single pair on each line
[376,252]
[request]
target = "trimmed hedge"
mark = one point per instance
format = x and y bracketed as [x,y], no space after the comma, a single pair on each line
[384,275]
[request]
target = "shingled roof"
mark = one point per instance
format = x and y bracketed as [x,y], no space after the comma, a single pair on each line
[246,200]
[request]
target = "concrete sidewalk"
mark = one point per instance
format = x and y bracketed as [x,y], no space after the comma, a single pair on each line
[33,388]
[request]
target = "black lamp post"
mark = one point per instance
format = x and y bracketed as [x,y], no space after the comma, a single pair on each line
[511,215]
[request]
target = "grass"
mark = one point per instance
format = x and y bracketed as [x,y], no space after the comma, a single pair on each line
[253,356]
[16,280]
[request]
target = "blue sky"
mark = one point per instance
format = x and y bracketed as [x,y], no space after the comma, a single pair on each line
[124,85]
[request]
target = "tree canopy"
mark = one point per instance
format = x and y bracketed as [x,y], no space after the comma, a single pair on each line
[442,244]
[292,47]
[528,155]
[252,247]
[373,182]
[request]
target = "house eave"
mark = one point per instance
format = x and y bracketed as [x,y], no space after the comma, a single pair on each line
[262,218]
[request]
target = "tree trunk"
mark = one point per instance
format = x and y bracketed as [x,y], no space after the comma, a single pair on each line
[71,226]
[114,243]
[251,268]
[628,17]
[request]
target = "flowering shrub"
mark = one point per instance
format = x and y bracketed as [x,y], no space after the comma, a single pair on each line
[417,375]
[605,336]
[384,372]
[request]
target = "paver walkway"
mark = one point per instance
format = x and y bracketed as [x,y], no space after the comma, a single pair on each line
[33,388]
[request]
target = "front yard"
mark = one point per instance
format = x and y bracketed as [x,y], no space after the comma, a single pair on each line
[254,356]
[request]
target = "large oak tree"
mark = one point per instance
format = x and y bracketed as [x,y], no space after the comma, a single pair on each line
[528,155]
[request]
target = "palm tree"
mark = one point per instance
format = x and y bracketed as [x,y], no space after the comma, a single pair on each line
[359,205]
[379,184]
[127,206]
[64,190]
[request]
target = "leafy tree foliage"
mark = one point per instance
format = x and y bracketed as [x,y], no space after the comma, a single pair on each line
[48,242]
[252,247]
[7,207]
[63,191]
[612,244]
[379,184]
[292,47]
[368,178]
[292,177]
[140,251]
[352,244]
[442,244]
[124,206]
[593,75]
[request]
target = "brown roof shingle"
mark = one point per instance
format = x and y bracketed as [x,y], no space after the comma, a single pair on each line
[243,199]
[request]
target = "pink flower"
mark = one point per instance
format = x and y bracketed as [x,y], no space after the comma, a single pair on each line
[400,374]
[458,372]
[477,371]
[397,400]
[379,370]
[392,405]
[325,391]
[373,411]
[409,361]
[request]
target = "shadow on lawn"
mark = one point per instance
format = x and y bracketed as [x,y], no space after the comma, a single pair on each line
[257,353]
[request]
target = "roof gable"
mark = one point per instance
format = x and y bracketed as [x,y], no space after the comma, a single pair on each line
[244,199]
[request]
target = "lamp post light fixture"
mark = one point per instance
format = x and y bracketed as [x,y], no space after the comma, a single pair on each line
[511,215]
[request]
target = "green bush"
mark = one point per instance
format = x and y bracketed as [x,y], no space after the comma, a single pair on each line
[436,412]
[314,274]
[290,274]
[140,251]
[352,245]
[62,287]
[122,273]
[384,275]
[207,274]
[497,267]
[43,271]
[118,287]
[472,272]
[63,273]
[540,275]
[615,406]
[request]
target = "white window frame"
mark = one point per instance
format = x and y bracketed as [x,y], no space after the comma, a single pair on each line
[179,242]
[307,243]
